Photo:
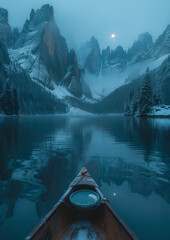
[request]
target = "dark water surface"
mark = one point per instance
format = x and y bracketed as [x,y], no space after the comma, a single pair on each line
[129,158]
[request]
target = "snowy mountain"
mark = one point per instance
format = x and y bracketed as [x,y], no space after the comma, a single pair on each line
[41,54]
[36,63]
[42,51]
[129,93]
[119,67]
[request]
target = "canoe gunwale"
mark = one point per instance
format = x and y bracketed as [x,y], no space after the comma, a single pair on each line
[116,215]
[80,182]
[49,215]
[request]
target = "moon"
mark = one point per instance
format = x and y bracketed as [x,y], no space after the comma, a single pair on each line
[113,35]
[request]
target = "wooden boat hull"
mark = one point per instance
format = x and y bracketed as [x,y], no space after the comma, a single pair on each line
[66,222]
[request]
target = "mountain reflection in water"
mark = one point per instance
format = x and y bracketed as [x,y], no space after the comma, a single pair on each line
[128,157]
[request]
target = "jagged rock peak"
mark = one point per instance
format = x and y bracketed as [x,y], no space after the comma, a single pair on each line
[44,14]
[106,51]
[72,62]
[93,44]
[162,44]
[33,30]
[113,60]
[89,56]
[119,51]
[3,16]
[145,38]
[141,48]
[143,43]
[86,49]
[5,30]
[93,41]
[15,35]
[41,37]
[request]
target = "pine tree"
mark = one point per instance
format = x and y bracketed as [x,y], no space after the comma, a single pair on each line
[15,102]
[131,95]
[1,87]
[135,102]
[157,98]
[145,102]
[127,109]
[6,103]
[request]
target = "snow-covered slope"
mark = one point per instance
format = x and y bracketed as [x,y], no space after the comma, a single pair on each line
[160,111]
[119,67]
[103,85]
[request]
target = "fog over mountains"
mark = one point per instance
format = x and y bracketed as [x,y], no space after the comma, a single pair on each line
[39,74]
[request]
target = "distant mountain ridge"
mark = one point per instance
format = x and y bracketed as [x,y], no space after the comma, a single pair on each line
[118,60]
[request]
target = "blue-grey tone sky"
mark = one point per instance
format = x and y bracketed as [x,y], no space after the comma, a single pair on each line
[78,20]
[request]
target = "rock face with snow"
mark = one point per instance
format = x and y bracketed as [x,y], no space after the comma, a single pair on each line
[162,44]
[141,49]
[42,51]
[42,42]
[90,57]
[5,30]
[115,60]
[72,78]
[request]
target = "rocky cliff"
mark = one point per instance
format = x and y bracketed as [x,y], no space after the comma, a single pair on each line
[115,60]
[5,30]
[43,47]
[162,44]
[4,63]
[4,57]
[42,51]
[90,57]
[141,49]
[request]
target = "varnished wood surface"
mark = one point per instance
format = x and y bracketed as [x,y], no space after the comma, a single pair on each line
[63,218]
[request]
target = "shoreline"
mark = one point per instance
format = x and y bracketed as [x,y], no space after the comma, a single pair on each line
[84,115]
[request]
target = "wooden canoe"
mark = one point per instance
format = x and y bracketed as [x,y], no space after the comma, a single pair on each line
[66,222]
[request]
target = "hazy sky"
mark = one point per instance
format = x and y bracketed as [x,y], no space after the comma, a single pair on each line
[78,20]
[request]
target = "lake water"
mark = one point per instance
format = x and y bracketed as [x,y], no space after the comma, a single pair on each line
[129,158]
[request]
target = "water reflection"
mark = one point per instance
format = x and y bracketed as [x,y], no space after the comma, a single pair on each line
[40,156]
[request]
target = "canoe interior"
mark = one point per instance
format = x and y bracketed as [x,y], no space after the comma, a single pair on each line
[69,223]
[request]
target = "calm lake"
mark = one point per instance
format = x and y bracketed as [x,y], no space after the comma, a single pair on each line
[128,157]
